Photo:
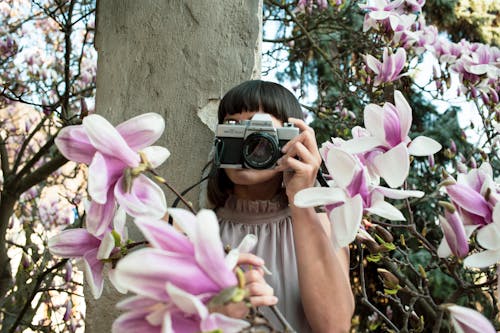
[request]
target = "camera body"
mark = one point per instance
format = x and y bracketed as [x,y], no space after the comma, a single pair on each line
[253,144]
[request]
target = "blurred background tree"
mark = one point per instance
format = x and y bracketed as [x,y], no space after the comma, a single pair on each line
[47,74]
[319,49]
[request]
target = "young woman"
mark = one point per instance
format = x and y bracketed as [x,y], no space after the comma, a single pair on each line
[309,277]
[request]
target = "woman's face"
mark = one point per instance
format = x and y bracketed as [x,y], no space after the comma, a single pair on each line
[251,176]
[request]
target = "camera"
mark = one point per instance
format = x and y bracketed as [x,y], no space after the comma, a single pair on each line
[253,144]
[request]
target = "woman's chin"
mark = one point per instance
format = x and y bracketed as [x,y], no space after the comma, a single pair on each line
[251,176]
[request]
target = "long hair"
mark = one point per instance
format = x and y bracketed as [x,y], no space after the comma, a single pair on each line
[271,98]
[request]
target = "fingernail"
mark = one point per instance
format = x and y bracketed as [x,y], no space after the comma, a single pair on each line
[266,271]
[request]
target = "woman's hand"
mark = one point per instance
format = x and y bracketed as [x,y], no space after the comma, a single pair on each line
[260,293]
[301,160]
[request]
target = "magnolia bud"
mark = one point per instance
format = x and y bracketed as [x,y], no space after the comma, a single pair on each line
[474,93]
[69,271]
[453,146]
[494,95]
[485,98]
[389,280]
[472,163]
[461,167]
[431,161]
[69,308]
[384,233]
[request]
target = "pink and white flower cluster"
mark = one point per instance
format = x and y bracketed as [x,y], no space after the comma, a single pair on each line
[380,150]
[475,198]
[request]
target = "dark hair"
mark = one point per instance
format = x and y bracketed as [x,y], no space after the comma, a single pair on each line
[271,98]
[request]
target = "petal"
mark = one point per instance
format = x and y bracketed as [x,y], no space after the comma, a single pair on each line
[146,271]
[186,302]
[112,278]
[404,111]
[156,155]
[489,235]
[343,166]
[145,199]
[423,146]
[385,210]
[393,165]
[209,250]
[374,121]
[373,63]
[93,272]
[142,131]
[317,196]
[469,200]
[162,235]
[482,259]
[361,144]
[398,194]
[399,63]
[106,139]
[444,250]
[133,322]
[99,217]
[104,171]
[184,219]
[223,323]
[136,302]
[119,222]
[248,243]
[392,126]
[345,221]
[469,320]
[106,247]
[72,243]
[74,144]
[454,233]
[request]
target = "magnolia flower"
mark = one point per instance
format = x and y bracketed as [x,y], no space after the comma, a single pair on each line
[489,238]
[111,153]
[386,143]
[176,277]
[79,243]
[381,10]
[474,195]
[390,68]
[352,194]
[469,321]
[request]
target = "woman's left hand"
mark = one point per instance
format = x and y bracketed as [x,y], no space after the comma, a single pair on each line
[301,160]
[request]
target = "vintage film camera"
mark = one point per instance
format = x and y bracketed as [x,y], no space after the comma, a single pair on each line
[253,144]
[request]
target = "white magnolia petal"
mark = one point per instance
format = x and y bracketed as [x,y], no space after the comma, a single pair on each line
[112,278]
[317,196]
[342,165]
[489,235]
[361,144]
[345,221]
[386,210]
[106,247]
[248,243]
[393,165]
[188,303]
[143,130]
[469,320]
[231,258]
[374,121]
[444,250]
[423,146]
[373,63]
[483,259]
[156,155]
[184,219]
[119,221]
[106,139]
[93,273]
[398,194]
[404,110]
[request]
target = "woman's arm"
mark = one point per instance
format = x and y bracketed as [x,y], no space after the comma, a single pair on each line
[323,271]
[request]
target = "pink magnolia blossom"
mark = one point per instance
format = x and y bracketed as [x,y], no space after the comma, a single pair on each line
[385,143]
[468,320]
[94,250]
[111,152]
[456,239]
[176,277]
[385,12]
[352,194]
[390,68]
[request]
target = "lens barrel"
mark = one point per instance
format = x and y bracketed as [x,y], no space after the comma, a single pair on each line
[260,150]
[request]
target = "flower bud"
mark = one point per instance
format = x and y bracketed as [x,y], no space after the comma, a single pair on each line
[453,146]
[472,163]
[494,95]
[389,280]
[431,161]
[384,233]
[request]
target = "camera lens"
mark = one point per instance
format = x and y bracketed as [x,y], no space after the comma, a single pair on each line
[260,151]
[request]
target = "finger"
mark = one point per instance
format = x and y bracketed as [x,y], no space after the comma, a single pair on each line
[259,289]
[263,300]
[299,150]
[250,259]
[308,138]
[254,276]
[298,167]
